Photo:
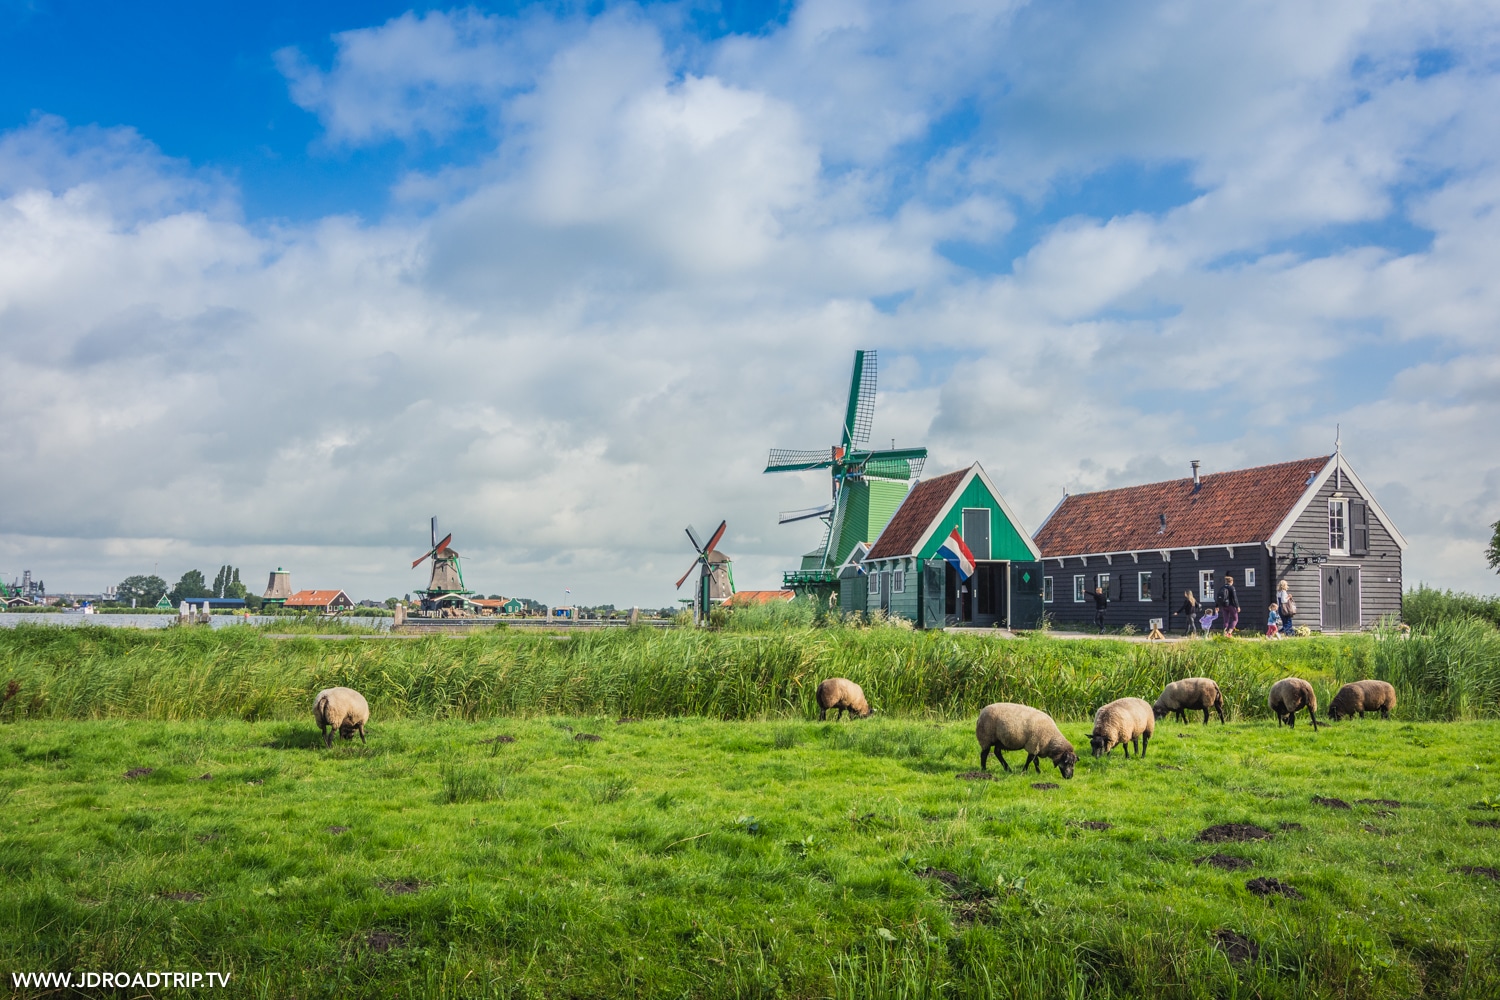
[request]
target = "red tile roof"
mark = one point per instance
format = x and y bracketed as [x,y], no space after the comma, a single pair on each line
[1230,508]
[925,501]
[314,598]
[742,598]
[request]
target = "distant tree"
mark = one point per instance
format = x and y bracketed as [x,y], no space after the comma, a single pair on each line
[190,586]
[145,590]
[1492,554]
[391,602]
[227,583]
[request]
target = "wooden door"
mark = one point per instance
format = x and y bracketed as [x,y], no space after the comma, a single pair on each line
[1331,604]
[934,583]
[1025,595]
[1349,616]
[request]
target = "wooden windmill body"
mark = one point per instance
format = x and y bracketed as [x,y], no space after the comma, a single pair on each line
[715,576]
[446,592]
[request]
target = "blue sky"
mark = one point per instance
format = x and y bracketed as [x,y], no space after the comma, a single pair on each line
[278,282]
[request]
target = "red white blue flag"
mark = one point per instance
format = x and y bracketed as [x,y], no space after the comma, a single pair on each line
[958,555]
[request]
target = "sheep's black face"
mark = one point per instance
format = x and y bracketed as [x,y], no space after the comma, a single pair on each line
[1065,764]
[1159,712]
[346,731]
[1098,744]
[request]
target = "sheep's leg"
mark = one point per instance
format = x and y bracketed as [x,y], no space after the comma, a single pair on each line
[361,732]
[1313,716]
[1182,716]
[1032,759]
[1205,715]
[984,758]
[1220,709]
[327,736]
[1125,745]
[1385,713]
[822,715]
[1145,740]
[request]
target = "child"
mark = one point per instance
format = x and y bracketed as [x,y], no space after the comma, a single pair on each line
[1207,621]
[1273,623]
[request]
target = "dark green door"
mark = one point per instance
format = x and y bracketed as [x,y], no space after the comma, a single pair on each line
[934,580]
[1025,595]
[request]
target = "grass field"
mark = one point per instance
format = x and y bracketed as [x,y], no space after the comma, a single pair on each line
[685,857]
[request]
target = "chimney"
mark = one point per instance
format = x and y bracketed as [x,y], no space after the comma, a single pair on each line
[1163,529]
[1196,481]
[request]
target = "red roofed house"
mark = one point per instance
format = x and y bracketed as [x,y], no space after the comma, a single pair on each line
[903,575]
[1310,522]
[325,601]
[745,598]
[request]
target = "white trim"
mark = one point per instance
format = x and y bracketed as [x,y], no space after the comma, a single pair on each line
[1166,554]
[1135,557]
[1230,550]
[1080,588]
[1109,558]
[1195,554]
[1337,461]
[1048,587]
[1145,575]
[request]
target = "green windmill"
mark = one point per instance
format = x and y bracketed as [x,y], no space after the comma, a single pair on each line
[868,485]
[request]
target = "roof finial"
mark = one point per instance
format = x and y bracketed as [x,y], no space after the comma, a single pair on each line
[1337,439]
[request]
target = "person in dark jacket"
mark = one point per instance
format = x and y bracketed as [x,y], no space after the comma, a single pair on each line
[1228,603]
[1101,601]
[1190,609]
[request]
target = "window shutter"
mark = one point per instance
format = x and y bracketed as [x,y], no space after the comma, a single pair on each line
[1359,533]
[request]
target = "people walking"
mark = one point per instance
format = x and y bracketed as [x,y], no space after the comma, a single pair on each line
[1101,601]
[1285,606]
[1228,604]
[1190,609]
[1273,623]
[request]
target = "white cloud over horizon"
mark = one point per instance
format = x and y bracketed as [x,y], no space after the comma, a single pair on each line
[585,338]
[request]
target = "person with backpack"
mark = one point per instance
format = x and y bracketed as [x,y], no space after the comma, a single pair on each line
[1101,601]
[1228,604]
[1285,606]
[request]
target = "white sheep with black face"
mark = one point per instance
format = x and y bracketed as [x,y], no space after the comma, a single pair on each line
[1289,696]
[1006,726]
[1125,721]
[842,695]
[1190,695]
[343,709]
[1359,697]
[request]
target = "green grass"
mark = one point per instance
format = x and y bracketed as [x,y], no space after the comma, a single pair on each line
[700,858]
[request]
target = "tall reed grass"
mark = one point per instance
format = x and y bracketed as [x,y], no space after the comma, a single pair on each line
[1424,607]
[1449,670]
[93,673]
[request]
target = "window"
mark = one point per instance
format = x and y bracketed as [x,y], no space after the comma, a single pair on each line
[1078,589]
[1046,590]
[1206,585]
[1250,576]
[1338,541]
[898,581]
[1103,583]
[874,583]
[1143,585]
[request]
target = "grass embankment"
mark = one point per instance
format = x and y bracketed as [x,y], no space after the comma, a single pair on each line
[181,674]
[697,858]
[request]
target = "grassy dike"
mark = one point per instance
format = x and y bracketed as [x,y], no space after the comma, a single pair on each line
[688,857]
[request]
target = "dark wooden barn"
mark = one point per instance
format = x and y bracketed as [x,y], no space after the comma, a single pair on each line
[1310,522]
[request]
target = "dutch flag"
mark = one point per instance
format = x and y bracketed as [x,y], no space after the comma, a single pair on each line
[958,555]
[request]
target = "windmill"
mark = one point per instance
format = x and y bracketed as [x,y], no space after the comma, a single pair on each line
[867,484]
[715,579]
[445,589]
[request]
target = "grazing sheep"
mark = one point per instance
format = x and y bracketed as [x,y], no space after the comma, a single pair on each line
[843,695]
[1190,694]
[1126,721]
[1005,726]
[343,709]
[1362,697]
[1288,696]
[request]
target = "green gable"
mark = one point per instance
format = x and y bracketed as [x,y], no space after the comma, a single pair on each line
[1006,540]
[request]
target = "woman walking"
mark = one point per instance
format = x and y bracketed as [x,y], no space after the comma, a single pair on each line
[1228,603]
[1189,608]
[1285,606]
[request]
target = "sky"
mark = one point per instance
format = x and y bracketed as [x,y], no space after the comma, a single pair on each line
[280,282]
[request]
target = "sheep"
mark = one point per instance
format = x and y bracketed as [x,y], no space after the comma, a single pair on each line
[1004,726]
[843,695]
[341,708]
[1125,721]
[1290,695]
[1190,694]
[1362,697]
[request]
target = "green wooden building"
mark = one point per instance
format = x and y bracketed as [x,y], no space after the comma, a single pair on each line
[903,574]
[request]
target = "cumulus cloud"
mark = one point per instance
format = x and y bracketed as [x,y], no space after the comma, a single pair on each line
[572,345]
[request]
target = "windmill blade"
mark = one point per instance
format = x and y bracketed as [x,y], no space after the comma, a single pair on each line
[797,460]
[895,463]
[434,531]
[693,537]
[860,412]
[420,561]
[787,517]
[714,541]
[689,573]
[440,546]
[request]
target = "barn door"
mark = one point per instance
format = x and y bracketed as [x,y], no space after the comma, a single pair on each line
[934,584]
[1331,604]
[1025,595]
[885,591]
[1349,616]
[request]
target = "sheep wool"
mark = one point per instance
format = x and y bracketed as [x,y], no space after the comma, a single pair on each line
[1190,694]
[1124,722]
[1289,696]
[341,708]
[1005,726]
[844,695]
[1361,697]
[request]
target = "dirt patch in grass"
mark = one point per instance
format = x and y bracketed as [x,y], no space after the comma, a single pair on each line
[627,720]
[401,886]
[1044,786]
[381,942]
[976,776]
[338,829]
[1238,948]
[205,777]
[1486,871]
[138,772]
[256,781]
[1386,803]
[587,738]
[1374,829]
[1319,800]
[968,899]
[186,896]
[204,838]
[1491,824]
[1091,824]
[1225,861]
[500,739]
[1226,832]
[1272,887]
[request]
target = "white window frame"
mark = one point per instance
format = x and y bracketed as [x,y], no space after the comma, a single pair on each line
[873,587]
[1103,582]
[1078,587]
[898,581]
[1206,592]
[1046,590]
[1338,527]
[1249,576]
[1143,585]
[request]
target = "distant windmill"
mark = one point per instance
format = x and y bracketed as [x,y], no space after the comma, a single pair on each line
[868,485]
[447,580]
[715,580]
